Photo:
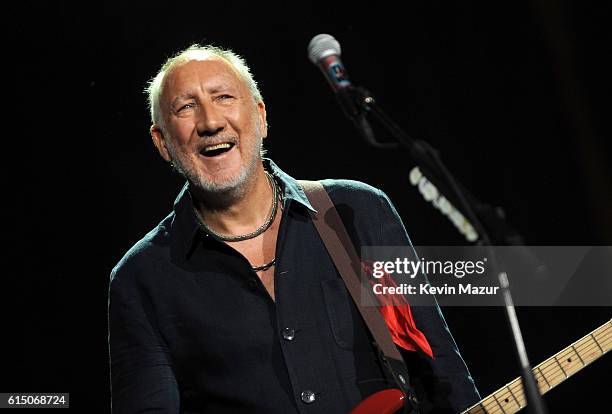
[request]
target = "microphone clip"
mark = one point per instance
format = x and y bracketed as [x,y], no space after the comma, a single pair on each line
[356,102]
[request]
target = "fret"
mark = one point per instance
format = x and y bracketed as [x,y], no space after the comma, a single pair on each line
[477,409]
[549,373]
[554,372]
[591,351]
[517,384]
[542,375]
[578,355]
[487,404]
[560,366]
[603,337]
[584,348]
[498,404]
[506,400]
[514,397]
[484,410]
[597,343]
[569,362]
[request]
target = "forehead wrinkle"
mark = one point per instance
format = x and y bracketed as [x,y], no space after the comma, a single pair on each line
[230,75]
[215,83]
[230,79]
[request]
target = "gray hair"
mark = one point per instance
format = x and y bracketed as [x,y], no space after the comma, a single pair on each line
[196,51]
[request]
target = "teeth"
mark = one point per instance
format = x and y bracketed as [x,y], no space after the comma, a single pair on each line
[218,146]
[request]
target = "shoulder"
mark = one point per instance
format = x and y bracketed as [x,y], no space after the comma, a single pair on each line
[359,195]
[368,212]
[145,254]
[351,191]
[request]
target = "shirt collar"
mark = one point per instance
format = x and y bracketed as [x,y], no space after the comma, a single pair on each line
[186,226]
[292,190]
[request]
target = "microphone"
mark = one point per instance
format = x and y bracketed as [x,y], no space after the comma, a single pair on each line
[324,51]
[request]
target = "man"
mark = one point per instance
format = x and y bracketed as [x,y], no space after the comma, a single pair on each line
[232,304]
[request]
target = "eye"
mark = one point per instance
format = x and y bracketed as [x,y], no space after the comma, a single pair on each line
[224,97]
[185,107]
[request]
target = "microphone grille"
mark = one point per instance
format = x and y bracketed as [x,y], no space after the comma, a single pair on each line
[322,45]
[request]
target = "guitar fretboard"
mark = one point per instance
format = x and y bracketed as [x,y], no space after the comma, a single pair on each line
[550,373]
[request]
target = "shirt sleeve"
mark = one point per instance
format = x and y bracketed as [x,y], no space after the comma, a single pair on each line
[142,378]
[442,383]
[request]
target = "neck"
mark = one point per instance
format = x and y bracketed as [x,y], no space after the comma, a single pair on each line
[238,211]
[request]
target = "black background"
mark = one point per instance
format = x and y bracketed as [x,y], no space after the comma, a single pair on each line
[515,96]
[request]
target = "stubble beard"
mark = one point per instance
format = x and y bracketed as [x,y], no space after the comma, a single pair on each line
[217,194]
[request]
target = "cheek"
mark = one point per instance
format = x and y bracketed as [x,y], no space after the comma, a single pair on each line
[181,132]
[246,117]
[256,126]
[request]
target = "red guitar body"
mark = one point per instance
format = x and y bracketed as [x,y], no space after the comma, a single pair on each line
[388,401]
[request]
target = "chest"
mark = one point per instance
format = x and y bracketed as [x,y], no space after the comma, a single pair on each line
[221,327]
[260,252]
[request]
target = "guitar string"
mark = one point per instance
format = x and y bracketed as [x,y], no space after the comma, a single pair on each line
[498,402]
[552,365]
[516,385]
[582,348]
[491,405]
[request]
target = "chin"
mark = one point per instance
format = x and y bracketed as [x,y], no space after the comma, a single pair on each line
[221,184]
[226,184]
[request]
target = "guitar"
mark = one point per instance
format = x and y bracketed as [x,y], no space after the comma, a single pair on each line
[510,398]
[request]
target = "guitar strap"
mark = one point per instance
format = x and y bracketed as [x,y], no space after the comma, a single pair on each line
[329,225]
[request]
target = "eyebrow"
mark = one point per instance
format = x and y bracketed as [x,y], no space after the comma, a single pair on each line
[219,87]
[181,97]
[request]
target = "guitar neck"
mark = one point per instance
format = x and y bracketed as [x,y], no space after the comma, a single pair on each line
[550,373]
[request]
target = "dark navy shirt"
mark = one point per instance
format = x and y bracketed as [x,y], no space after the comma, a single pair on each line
[192,328]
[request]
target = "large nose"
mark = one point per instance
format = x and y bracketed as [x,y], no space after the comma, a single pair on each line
[210,120]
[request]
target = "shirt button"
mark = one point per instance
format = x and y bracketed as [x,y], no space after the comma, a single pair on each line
[308,396]
[288,334]
[252,284]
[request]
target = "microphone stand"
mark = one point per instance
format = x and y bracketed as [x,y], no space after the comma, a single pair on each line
[429,158]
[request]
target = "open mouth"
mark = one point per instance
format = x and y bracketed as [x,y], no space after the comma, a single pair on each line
[217,149]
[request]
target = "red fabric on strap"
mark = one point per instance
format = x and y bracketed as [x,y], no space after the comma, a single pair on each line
[398,316]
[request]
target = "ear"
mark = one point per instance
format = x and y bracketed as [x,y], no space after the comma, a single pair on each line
[261,108]
[159,140]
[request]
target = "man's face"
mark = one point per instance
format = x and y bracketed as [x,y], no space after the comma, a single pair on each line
[212,128]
